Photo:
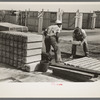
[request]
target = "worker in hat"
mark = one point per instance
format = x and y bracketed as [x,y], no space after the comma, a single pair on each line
[80,36]
[52,39]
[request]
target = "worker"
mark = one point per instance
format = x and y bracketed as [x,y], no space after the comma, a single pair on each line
[52,39]
[80,36]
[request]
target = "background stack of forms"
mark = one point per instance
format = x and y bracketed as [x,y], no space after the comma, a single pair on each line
[4,26]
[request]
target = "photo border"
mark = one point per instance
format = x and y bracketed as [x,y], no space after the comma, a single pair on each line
[49,1]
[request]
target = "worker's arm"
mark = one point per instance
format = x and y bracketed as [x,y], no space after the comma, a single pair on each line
[57,37]
[57,34]
[73,36]
[75,42]
[84,37]
[45,32]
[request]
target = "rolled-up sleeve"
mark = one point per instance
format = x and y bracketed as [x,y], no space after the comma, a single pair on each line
[58,30]
[84,34]
[73,36]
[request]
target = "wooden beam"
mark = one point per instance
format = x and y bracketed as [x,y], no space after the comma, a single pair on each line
[71,74]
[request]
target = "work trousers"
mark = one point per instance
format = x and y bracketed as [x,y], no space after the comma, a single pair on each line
[52,41]
[85,48]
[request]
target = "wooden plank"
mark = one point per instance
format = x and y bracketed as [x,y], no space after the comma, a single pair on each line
[31,67]
[71,74]
[75,60]
[75,63]
[32,52]
[91,66]
[33,45]
[4,26]
[88,62]
[86,74]
[80,62]
[96,66]
[83,62]
[32,58]
[75,68]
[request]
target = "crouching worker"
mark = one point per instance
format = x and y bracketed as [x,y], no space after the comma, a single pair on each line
[80,36]
[52,39]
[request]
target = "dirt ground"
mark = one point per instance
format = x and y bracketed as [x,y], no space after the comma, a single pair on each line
[10,74]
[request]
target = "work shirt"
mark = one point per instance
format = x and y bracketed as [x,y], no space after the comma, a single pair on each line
[81,36]
[52,30]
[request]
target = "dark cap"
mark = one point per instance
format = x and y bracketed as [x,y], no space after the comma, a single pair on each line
[77,30]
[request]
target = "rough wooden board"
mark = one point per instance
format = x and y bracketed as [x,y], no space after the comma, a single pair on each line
[75,42]
[94,65]
[22,59]
[4,26]
[10,25]
[98,68]
[75,75]
[87,63]
[31,67]
[33,45]
[32,58]
[75,60]
[79,62]
[32,52]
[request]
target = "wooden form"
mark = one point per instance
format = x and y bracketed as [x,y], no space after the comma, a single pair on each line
[85,62]
[19,49]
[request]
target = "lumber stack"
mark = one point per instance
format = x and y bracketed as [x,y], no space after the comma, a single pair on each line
[4,26]
[20,50]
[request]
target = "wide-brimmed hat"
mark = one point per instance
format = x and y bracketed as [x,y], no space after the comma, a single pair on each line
[58,22]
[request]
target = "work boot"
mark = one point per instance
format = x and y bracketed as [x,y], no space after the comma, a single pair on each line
[60,62]
[87,54]
[71,57]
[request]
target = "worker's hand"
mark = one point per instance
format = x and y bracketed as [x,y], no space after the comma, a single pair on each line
[80,43]
[70,40]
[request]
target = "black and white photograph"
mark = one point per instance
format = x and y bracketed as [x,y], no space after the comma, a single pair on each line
[49,42]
